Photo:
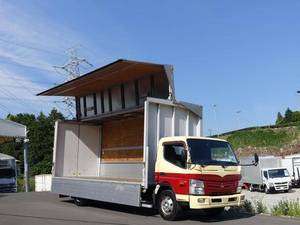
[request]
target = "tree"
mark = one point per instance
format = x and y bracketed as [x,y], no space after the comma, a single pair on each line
[288,115]
[279,119]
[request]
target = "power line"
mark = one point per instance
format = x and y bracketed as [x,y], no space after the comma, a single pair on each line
[30,47]
[4,108]
[17,87]
[27,80]
[28,66]
[8,98]
[29,91]
[13,97]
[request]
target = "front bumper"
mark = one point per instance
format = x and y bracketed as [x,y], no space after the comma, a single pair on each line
[8,188]
[204,202]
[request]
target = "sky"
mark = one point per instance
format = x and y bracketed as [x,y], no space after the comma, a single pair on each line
[240,60]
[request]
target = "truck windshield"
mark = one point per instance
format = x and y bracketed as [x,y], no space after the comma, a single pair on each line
[274,173]
[211,152]
[7,173]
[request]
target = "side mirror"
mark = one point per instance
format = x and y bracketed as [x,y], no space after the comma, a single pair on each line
[256,159]
[184,156]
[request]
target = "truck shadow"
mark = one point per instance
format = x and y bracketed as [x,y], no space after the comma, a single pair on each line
[118,207]
[200,216]
[189,215]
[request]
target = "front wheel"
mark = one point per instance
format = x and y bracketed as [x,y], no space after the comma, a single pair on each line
[267,191]
[214,211]
[168,207]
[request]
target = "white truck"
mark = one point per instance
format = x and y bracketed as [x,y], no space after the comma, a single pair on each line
[292,163]
[268,175]
[8,173]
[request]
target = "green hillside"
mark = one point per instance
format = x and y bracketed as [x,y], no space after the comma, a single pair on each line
[280,139]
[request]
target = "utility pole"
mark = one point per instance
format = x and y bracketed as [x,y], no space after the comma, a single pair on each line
[238,119]
[26,170]
[210,132]
[216,121]
[298,92]
[72,70]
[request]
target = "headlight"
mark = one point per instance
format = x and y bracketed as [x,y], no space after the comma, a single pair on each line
[196,187]
[239,187]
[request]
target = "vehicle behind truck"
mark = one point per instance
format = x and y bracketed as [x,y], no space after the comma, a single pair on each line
[134,144]
[292,163]
[8,173]
[268,176]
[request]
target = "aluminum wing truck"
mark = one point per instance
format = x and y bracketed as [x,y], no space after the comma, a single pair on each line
[268,175]
[8,173]
[133,143]
[292,163]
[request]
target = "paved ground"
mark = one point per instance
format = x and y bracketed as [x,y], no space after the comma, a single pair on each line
[45,208]
[271,199]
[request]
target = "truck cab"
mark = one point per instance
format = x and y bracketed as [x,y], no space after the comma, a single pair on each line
[276,179]
[8,173]
[196,173]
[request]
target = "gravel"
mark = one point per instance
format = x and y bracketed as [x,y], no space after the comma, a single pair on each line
[269,200]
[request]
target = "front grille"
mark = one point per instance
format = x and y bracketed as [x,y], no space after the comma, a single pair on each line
[281,183]
[220,187]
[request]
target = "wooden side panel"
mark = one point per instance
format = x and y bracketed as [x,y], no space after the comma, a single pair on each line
[122,140]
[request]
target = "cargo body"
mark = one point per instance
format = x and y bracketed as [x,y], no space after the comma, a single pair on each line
[269,175]
[292,163]
[119,155]
[8,173]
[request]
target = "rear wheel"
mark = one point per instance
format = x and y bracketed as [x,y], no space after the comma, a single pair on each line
[80,201]
[251,189]
[168,207]
[214,211]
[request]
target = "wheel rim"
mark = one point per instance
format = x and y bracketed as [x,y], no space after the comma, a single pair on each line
[167,205]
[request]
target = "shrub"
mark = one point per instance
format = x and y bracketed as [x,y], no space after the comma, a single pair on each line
[260,207]
[287,208]
[248,207]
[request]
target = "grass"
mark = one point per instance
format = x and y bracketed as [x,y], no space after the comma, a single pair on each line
[287,208]
[21,184]
[276,138]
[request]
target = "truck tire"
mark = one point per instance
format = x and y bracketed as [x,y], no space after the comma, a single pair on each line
[80,201]
[168,207]
[267,191]
[251,189]
[214,211]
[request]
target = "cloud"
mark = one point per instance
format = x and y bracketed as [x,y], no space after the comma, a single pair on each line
[30,41]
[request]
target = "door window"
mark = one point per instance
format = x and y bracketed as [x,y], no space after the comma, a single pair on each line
[175,154]
[266,174]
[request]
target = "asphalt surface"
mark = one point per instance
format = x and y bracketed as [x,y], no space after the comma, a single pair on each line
[47,209]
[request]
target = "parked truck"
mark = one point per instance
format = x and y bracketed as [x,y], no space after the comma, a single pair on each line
[268,175]
[133,143]
[292,163]
[8,173]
